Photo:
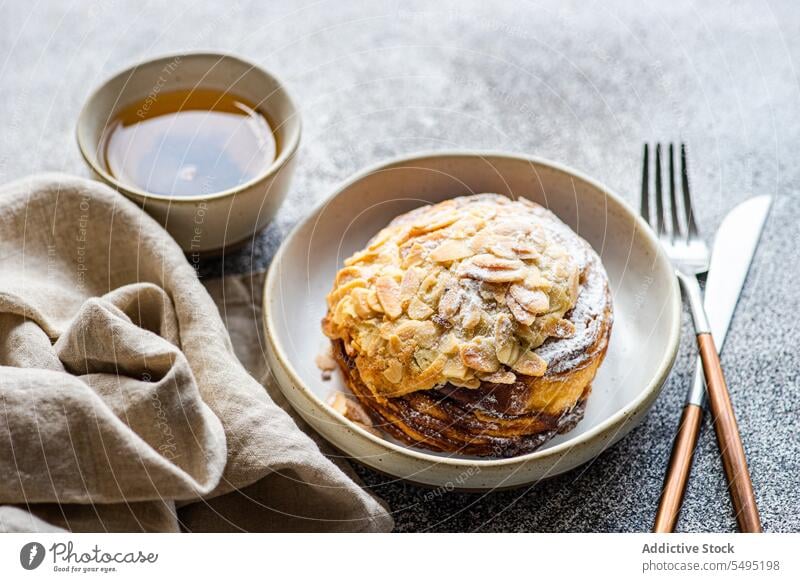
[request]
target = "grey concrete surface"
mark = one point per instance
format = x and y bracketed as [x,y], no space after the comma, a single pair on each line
[583,83]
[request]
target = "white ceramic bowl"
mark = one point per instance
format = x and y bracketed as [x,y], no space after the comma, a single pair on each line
[645,293]
[209,221]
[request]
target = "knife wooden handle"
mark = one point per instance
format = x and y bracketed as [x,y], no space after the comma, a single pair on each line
[680,463]
[730,443]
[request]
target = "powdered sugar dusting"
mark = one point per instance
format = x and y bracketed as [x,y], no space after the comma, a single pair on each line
[566,354]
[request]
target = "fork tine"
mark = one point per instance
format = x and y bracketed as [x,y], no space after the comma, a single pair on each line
[673,199]
[644,205]
[687,199]
[661,227]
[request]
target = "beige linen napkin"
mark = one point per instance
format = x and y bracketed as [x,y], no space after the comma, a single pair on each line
[122,404]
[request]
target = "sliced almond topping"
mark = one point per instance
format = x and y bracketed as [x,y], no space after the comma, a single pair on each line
[479,355]
[430,224]
[413,332]
[452,250]
[423,358]
[395,344]
[455,369]
[499,293]
[371,343]
[418,309]
[389,295]
[407,329]
[488,261]
[471,383]
[526,250]
[449,345]
[545,284]
[361,303]
[522,315]
[372,299]
[535,301]
[386,330]
[442,285]
[530,364]
[563,329]
[394,372]
[503,247]
[531,336]
[414,256]
[347,274]
[505,344]
[427,335]
[339,292]
[428,284]
[508,353]
[410,285]
[431,372]
[486,213]
[500,377]
[363,256]
[350,409]
[481,241]
[450,302]
[513,227]
[380,238]
[467,227]
[471,316]
[534,280]
[471,271]
[343,310]
[393,271]
[555,252]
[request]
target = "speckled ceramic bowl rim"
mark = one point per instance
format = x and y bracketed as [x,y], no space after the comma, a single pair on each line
[649,393]
[286,152]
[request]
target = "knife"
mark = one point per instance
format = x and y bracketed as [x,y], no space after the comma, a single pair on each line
[734,247]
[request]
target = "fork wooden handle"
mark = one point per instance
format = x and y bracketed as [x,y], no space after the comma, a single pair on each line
[680,463]
[730,443]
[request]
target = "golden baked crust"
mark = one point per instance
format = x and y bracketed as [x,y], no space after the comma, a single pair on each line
[475,325]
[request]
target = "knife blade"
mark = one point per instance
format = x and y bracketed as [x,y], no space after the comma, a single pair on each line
[734,246]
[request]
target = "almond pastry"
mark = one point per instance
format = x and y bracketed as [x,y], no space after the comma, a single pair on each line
[475,325]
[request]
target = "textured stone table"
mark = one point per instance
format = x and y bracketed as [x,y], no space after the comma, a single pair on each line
[581,83]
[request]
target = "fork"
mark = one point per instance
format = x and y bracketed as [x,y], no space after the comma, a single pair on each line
[691,257]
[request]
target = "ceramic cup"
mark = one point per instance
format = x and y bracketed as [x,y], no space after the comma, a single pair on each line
[207,221]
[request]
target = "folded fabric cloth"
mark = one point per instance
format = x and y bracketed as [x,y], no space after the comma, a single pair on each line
[122,404]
